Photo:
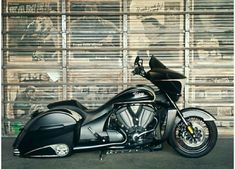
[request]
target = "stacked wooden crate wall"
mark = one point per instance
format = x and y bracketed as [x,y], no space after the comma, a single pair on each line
[85,49]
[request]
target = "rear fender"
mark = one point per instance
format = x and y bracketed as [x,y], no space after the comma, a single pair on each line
[60,126]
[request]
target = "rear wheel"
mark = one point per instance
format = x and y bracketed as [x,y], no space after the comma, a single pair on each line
[203,141]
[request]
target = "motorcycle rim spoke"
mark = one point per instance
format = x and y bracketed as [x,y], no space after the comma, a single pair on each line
[186,141]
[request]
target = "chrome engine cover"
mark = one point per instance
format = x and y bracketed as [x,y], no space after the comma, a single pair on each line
[135,116]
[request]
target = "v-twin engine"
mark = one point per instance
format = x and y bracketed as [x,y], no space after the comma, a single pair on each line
[137,121]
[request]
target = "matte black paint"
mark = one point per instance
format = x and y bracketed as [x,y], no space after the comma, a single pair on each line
[45,129]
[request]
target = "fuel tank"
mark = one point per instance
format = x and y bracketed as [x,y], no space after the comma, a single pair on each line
[140,93]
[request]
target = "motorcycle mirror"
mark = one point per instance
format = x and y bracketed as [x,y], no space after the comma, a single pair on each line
[140,62]
[137,60]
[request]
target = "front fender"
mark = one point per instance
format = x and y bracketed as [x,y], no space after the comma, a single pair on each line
[190,112]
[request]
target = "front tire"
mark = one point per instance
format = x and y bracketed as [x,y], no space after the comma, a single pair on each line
[204,141]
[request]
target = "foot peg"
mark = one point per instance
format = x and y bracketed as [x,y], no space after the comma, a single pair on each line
[97,136]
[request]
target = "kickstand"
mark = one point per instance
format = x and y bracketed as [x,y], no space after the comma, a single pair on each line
[103,154]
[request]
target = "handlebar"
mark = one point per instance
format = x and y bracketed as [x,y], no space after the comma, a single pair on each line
[139,68]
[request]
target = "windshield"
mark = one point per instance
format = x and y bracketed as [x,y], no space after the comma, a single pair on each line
[154,63]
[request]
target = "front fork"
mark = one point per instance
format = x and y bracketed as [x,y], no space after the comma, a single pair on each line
[188,125]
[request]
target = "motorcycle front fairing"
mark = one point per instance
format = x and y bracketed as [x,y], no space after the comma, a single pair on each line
[165,79]
[44,132]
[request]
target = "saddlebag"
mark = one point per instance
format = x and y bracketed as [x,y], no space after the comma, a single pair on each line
[46,129]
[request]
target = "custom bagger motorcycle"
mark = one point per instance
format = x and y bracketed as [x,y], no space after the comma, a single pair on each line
[137,118]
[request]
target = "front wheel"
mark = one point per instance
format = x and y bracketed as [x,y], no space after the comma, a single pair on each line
[203,141]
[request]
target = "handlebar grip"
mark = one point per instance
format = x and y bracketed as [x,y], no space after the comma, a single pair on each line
[139,71]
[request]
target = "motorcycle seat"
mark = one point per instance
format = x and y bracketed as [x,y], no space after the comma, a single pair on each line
[76,106]
[72,103]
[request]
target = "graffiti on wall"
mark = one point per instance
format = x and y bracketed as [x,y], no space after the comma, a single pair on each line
[33,33]
[95,95]
[155,28]
[94,30]
[17,7]
[212,32]
[32,40]
[27,98]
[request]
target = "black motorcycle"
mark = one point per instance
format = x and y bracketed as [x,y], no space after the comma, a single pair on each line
[137,118]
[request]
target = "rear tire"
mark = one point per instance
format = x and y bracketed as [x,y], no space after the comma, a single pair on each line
[202,144]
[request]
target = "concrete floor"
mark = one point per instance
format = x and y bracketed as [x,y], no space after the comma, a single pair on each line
[220,158]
